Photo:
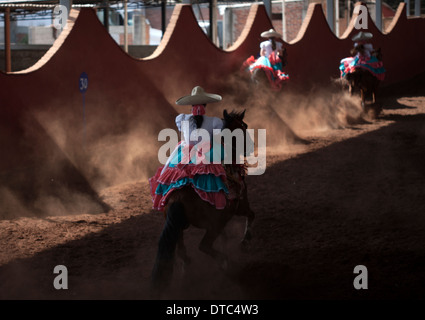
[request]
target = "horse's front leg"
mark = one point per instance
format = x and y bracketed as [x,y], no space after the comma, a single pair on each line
[248,226]
[206,246]
[245,210]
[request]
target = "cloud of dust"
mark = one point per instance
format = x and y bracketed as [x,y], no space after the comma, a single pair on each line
[12,206]
[62,173]
[42,181]
[109,154]
[122,158]
[289,116]
[319,110]
[45,191]
[71,164]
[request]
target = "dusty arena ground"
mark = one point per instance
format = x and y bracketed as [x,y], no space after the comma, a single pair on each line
[352,195]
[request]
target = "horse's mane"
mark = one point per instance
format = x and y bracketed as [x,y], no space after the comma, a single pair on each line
[233,115]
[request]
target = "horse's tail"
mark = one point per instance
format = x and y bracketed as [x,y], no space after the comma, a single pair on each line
[163,268]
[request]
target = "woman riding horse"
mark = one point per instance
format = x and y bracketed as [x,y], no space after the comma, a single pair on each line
[193,187]
[364,70]
[363,57]
[271,61]
[208,178]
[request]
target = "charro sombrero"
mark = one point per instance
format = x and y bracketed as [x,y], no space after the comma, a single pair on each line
[271,34]
[362,36]
[198,96]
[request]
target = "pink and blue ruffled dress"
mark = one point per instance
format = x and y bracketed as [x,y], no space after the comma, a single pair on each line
[371,64]
[192,165]
[270,63]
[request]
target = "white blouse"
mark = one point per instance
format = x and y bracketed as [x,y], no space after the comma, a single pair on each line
[187,126]
[267,46]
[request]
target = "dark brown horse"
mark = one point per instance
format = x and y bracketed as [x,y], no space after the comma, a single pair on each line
[365,82]
[185,208]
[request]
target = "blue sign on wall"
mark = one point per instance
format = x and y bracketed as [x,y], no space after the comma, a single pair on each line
[83,82]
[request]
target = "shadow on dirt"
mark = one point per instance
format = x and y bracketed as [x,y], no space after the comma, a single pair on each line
[356,202]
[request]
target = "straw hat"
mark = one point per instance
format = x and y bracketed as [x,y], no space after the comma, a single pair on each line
[362,36]
[271,34]
[198,96]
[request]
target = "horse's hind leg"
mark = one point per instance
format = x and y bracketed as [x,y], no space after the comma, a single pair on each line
[163,268]
[206,246]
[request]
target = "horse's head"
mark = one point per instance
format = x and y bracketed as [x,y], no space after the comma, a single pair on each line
[234,121]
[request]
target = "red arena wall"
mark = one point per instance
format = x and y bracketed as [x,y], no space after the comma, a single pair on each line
[117,120]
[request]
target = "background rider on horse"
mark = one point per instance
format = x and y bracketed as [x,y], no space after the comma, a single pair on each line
[271,60]
[363,56]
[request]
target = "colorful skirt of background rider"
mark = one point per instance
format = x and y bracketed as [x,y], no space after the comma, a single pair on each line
[272,66]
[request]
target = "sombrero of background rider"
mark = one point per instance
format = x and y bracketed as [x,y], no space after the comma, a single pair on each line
[362,36]
[271,34]
[198,96]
